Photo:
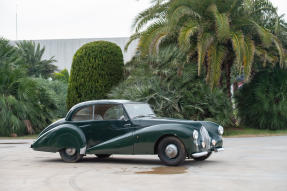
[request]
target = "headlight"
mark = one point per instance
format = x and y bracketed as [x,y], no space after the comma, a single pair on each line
[195,134]
[220,130]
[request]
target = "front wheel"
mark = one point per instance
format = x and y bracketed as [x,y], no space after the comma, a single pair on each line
[70,155]
[203,157]
[171,151]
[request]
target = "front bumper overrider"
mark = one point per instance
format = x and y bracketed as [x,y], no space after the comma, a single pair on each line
[204,153]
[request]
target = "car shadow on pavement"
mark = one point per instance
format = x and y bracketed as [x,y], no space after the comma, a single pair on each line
[137,161]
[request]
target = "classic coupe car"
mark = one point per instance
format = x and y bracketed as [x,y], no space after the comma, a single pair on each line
[106,127]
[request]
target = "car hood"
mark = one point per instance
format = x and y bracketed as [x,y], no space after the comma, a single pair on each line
[149,121]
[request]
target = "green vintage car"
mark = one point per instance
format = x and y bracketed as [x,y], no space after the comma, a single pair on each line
[105,127]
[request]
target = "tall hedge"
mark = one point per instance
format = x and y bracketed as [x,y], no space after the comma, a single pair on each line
[96,67]
[262,103]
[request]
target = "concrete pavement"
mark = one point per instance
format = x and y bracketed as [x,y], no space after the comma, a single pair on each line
[246,164]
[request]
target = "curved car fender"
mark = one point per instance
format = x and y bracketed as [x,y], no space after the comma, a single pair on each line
[62,136]
[147,138]
[212,129]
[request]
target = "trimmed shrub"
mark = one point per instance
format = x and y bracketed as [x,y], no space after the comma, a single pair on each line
[262,103]
[96,68]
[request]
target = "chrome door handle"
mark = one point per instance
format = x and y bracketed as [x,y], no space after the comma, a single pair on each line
[127,125]
[85,126]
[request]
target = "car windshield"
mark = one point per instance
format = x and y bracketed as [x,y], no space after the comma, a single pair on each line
[138,110]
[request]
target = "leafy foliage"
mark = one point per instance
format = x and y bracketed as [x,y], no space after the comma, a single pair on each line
[58,90]
[21,98]
[172,89]
[33,59]
[96,68]
[262,103]
[219,34]
[63,76]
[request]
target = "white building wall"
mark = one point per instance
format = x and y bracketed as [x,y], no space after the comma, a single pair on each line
[64,49]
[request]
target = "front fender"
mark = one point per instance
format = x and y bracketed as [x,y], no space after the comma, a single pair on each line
[147,138]
[62,136]
[212,129]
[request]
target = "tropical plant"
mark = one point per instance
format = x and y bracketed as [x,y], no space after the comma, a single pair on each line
[63,76]
[58,90]
[22,101]
[96,68]
[172,89]
[33,59]
[262,103]
[221,35]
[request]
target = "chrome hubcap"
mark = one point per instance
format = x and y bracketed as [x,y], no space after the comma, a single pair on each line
[171,151]
[70,151]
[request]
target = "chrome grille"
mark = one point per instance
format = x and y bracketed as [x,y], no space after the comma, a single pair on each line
[205,137]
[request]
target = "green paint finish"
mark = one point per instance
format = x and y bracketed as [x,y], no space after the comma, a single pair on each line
[122,136]
[60,137]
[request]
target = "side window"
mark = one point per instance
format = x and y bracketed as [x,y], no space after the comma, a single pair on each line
[83,114]
[115,112]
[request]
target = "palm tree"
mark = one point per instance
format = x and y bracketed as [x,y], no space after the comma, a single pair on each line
[21,98]
[33,59]
[222,35]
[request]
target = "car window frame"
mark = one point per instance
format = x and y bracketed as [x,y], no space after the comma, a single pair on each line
[130,119]
[114,119]
[93,113]
[80,108]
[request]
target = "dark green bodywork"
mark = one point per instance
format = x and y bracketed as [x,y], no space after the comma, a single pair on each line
[137,136]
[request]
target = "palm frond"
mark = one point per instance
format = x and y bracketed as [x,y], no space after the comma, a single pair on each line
[249,50]
[266,36]
[157,11]
[216,55]
[176,13]
[237,39]
[187,30]
[147,37]
[221,23]
[204,41]
[280,50]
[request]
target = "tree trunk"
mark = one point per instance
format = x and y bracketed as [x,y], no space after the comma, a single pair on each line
[228,76]
[29,127]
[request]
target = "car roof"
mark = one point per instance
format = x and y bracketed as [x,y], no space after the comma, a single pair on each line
[103,101]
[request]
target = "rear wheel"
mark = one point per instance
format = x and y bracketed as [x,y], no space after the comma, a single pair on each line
[70,155]
[103,156]
[171,151]
[203,157]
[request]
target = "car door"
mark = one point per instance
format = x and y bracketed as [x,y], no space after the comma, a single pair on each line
[109,122]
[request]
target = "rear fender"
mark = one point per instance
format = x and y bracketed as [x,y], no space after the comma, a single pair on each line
[63,136]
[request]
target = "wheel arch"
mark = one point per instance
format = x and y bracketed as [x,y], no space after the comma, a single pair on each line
[61,137]
[164,136]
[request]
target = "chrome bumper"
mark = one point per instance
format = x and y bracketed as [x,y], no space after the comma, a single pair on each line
[218,149]
[197,155]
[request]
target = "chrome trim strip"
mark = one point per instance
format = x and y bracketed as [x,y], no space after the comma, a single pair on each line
[219,150]
[196,155]
[83,150]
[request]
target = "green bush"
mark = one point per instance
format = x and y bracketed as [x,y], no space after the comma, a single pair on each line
[262,103]
[58,90]
[96,68]
[63,76]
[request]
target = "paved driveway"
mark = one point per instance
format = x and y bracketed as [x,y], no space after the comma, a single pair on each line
[246,164]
